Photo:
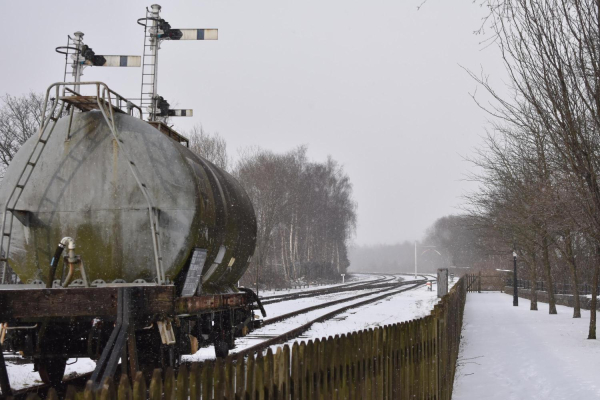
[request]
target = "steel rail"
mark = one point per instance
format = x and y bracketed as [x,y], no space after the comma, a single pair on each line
[315,290]
[330,290]
[332,303]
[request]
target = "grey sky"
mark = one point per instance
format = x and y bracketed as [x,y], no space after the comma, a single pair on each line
[375,84]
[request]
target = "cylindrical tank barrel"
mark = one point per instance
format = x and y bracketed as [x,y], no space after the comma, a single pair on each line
[82,187]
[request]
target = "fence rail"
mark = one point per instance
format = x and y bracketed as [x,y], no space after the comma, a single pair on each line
[559,288]
[414,359]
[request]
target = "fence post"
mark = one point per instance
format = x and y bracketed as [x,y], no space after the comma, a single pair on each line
[259,376]
[156,387]
[250,367]
[124,392]
[88,392]
[240,377]
[269,379]
[195,382]
[219,379]
[206,380]
[169,390]
[182,383]
[139,387]
[303,384]
[229,371]
[479,283]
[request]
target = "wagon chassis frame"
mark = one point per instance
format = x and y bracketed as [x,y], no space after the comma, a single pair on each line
[131,308]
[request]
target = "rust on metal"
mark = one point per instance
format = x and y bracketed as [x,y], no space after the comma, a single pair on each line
[167,130]
[88,103]
[80,302]
[191,305]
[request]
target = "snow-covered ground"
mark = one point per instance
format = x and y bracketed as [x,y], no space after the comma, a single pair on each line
[21,374]
[513,353]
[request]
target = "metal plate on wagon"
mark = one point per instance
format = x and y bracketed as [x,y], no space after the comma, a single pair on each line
[194,273]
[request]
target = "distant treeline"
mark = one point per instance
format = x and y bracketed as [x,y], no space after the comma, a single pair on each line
[453,242]
[305,212]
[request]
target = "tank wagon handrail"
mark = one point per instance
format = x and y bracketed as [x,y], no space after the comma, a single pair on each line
[119,98]
[152,211]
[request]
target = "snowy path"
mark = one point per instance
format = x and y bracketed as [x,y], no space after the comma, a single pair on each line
[514,353]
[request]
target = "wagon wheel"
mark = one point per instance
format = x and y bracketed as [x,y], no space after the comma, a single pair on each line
[52,370]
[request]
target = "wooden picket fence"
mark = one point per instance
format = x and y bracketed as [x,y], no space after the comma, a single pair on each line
[407,360]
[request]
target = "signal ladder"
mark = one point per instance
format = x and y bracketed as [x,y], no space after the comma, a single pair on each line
[149,63]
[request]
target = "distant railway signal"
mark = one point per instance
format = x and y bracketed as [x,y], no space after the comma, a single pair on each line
[156,30]
[198,34]
[163,109]
[81,55]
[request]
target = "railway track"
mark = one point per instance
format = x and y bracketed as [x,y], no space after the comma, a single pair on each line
[296,332]
[335,289]
[331,303]
[385,289]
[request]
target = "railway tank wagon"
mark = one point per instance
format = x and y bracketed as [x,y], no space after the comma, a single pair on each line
[107,296]
[83,188]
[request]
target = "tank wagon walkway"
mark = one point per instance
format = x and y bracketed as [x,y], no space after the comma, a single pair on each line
[513,353]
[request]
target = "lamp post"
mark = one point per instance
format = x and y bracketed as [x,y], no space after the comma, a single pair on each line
[515,289]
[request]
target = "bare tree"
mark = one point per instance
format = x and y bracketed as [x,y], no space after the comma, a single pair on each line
[209,146]
[20,118]
[552,54]
[305,214]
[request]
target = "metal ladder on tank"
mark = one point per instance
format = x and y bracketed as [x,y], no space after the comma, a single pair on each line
[104,102]
[149,65]
[48,121]
[108,114]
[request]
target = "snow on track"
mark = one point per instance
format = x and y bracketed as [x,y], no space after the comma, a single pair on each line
[356,278]
[412,304]
[513,353]
[269,331]
[421,305]
[287,306]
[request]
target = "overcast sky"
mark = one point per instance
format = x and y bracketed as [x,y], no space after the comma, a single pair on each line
[375,84]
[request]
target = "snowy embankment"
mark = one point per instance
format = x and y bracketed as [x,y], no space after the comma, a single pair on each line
[513,353]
